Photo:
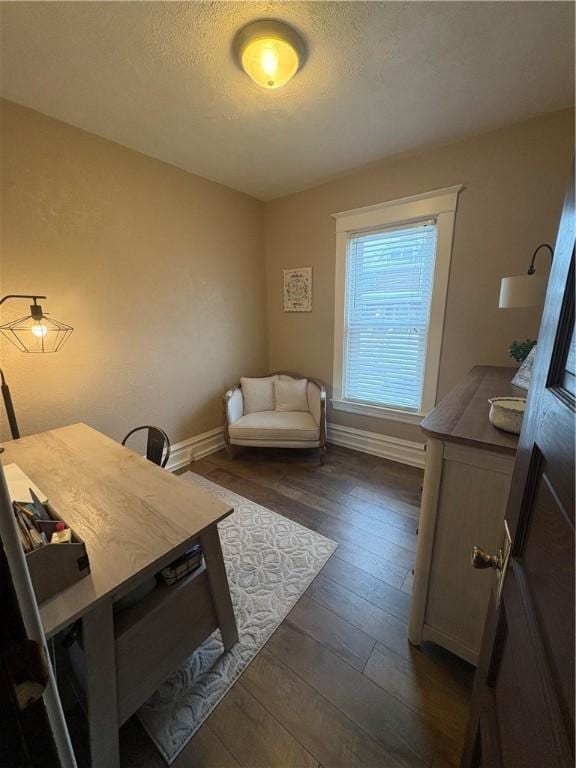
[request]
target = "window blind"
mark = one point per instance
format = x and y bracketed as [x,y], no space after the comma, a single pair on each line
[389,279]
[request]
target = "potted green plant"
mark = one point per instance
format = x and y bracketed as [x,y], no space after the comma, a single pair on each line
[519,350]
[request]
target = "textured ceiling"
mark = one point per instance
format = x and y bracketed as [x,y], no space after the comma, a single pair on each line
[381,78]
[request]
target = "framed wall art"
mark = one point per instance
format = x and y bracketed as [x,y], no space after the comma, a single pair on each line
[298,289]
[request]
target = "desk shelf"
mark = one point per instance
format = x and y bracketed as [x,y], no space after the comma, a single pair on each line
[155,636]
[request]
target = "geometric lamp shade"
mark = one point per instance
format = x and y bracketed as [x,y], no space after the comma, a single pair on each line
[37,334]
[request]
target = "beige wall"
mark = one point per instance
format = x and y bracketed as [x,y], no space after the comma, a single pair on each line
[160,272]
[514,182]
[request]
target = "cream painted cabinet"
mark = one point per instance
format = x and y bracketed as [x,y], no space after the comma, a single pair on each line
[466,483]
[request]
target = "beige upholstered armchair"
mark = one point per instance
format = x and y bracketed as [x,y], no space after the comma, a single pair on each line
[281,410]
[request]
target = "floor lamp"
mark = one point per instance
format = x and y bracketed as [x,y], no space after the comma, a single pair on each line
[36,332]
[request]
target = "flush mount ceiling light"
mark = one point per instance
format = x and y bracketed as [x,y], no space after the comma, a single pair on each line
[270,52]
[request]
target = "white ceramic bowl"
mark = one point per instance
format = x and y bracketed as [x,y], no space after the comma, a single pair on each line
[506,413]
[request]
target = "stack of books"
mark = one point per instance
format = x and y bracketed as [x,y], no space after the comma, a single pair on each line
[185,564]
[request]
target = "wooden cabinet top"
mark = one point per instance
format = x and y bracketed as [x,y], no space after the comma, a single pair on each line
[462,416]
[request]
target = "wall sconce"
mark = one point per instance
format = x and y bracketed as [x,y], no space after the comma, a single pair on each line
[35,332]
[527,290]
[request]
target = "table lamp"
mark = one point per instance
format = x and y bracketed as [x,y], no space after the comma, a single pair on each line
[36,332]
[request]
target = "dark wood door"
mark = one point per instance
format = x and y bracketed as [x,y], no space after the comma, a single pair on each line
[523,704]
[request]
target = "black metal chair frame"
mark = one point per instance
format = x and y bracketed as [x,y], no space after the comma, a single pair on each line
[157,441]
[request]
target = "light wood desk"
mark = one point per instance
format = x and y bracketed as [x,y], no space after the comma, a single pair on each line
[135,518]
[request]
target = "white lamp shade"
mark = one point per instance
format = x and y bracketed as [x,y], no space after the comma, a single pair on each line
[522,291]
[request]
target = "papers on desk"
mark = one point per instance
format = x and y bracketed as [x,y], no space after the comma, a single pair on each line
[19,486]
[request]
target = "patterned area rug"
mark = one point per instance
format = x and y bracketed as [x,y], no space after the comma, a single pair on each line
[270,562]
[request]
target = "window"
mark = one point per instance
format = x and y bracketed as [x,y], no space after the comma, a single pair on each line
[392,274]
[388,291]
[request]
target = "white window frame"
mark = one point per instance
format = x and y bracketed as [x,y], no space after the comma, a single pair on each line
[439,205]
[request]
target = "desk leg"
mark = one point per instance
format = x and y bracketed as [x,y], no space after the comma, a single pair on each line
[219,586]
[99,650]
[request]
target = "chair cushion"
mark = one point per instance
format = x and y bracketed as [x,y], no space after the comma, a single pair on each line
[258,394]
[275,425]
[291,395]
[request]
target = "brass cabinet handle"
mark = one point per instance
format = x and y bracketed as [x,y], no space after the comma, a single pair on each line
[482,559]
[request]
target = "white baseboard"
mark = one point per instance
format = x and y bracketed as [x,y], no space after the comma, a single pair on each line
[393,448]
[195,448]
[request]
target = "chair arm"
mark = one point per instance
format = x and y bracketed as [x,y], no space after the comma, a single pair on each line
[233,405]
[317,403]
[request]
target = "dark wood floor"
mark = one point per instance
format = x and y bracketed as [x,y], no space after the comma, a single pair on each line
[338,683]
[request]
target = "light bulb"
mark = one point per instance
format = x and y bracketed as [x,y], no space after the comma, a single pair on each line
[39,330]
[269,61]
[270,52]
